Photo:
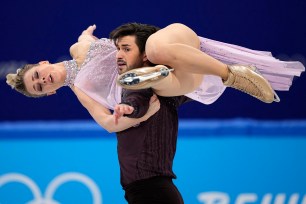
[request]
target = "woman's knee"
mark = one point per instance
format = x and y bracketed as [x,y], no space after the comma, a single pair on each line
[162,45]
[158,53]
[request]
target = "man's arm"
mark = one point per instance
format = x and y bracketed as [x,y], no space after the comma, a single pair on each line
[138,99]
[121,110]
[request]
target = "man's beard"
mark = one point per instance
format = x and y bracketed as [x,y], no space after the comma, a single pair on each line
[136,65]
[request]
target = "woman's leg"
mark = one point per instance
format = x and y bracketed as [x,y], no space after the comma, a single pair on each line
[178,47]
[161,79]
[178,83]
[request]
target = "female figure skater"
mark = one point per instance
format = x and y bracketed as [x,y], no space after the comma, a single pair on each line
[93,72]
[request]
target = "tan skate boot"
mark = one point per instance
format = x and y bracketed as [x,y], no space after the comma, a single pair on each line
[143,78]
[247,79]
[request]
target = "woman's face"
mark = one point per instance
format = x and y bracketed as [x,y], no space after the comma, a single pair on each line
[43,79]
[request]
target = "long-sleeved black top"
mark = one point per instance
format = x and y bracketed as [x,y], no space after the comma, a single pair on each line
[148,149]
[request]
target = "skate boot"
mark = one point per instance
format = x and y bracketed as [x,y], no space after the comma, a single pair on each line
[248,79]
[143,78]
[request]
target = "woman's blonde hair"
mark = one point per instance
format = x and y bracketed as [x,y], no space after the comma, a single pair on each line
[16,80]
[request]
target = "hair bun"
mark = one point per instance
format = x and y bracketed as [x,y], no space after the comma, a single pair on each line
[11,80]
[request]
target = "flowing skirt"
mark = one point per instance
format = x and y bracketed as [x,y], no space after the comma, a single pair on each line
[279,73]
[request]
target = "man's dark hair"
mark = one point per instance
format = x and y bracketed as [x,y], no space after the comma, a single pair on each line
[140,31]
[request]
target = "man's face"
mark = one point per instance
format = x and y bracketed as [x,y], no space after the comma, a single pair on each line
[128,54]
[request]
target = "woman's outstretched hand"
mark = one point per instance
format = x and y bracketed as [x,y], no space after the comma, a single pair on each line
[79,50]
[88,34]
[120,110]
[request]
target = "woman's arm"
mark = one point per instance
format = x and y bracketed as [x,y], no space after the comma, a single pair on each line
[78,50]
[87,35]
[104,117]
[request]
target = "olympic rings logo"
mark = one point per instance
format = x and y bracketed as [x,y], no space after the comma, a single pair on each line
[53,186]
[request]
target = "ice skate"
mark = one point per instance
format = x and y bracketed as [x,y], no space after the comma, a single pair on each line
[247,79]
[142,78]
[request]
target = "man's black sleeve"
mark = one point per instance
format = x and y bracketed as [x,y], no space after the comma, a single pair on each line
[138,99]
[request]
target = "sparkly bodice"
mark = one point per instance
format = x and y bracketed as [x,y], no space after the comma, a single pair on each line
[72,70]
[96,77]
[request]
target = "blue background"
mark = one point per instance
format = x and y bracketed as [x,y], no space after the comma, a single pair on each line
[233,157]
[32,31]
[262,153]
